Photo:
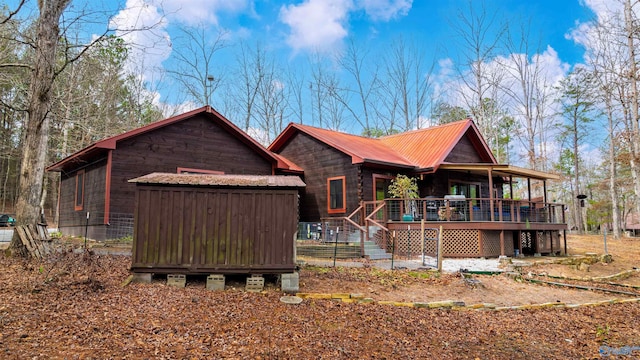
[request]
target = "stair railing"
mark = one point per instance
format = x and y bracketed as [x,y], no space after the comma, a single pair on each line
[369,220]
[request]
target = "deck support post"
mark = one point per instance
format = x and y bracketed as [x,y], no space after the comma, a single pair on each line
[502,242]
[491,198]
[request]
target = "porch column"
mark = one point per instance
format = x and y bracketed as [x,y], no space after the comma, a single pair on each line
[502,242]
[546,206]
[491,199]
[529,188]
[511,186]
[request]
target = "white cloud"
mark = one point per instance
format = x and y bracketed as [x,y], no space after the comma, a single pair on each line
[318,25]
[321,25]
[385,10]
[552,68]
[151,46]
[194,12]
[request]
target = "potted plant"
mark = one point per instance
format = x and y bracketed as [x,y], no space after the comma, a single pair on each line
[406,188]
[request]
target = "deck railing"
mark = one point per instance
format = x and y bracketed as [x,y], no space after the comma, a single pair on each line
[473,209]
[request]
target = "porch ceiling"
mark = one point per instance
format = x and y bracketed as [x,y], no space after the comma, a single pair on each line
[501,170]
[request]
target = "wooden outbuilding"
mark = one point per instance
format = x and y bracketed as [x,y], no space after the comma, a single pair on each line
[222,224]
[94,180]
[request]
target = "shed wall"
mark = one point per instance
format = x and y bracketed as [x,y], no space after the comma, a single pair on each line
[214,230]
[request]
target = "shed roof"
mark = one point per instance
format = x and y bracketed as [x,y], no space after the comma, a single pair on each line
[220,180]
[110,143]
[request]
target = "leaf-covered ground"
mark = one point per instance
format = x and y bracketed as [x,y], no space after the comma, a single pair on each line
[74,307]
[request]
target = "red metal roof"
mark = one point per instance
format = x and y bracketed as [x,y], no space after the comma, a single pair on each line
[428,148]
[361,149]
[420,149]
[291,166]
[220,180]
[110,143]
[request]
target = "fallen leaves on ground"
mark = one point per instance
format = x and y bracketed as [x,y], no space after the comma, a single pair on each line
[72,306]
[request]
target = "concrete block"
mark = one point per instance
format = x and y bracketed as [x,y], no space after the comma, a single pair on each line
[215,282]
[255,284]
[144,278]
[290,283]
[177,280]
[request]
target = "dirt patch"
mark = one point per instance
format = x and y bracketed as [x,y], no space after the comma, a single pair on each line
[73,306]
[501,290]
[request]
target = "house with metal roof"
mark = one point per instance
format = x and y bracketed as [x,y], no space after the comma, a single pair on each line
[95,196]
[462,188]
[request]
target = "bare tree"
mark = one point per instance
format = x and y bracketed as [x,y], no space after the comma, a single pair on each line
[36,135]
[407,81]
[606,59]
[631,32]
[578,111]
[195,71]
[364,84]
[250,74]
[529,92]
[52,54]
[296,101]
[322,81]
[480,38]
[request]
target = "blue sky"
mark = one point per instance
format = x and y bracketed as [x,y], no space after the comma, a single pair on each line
[295,29]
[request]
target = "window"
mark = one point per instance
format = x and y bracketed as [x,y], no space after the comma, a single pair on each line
[336,195]
[468,189]
[79,202]
[182,170]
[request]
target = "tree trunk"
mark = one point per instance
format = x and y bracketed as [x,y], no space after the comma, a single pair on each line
[613,190]
[34,149]
[630,30]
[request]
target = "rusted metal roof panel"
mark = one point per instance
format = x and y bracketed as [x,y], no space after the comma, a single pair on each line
[291,166]
[427,148]
[220,180]
[361,149]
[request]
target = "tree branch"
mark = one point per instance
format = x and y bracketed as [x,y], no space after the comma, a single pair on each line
[12,13]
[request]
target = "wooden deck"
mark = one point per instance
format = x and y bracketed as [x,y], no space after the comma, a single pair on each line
[471,227]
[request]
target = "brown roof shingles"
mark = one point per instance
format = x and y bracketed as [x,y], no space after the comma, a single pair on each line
[220,180]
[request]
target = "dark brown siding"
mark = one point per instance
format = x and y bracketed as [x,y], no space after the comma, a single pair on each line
[94,185]
[320,162]
[214,230]
[195,143]
[464,152]
[368,180]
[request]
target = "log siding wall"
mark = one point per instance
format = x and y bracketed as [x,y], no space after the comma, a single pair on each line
[197,143]
[93,202]
[321,162]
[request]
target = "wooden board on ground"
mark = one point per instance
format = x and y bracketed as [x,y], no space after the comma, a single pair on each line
[33,240]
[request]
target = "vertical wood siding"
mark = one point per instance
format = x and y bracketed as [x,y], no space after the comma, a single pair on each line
[214,230]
